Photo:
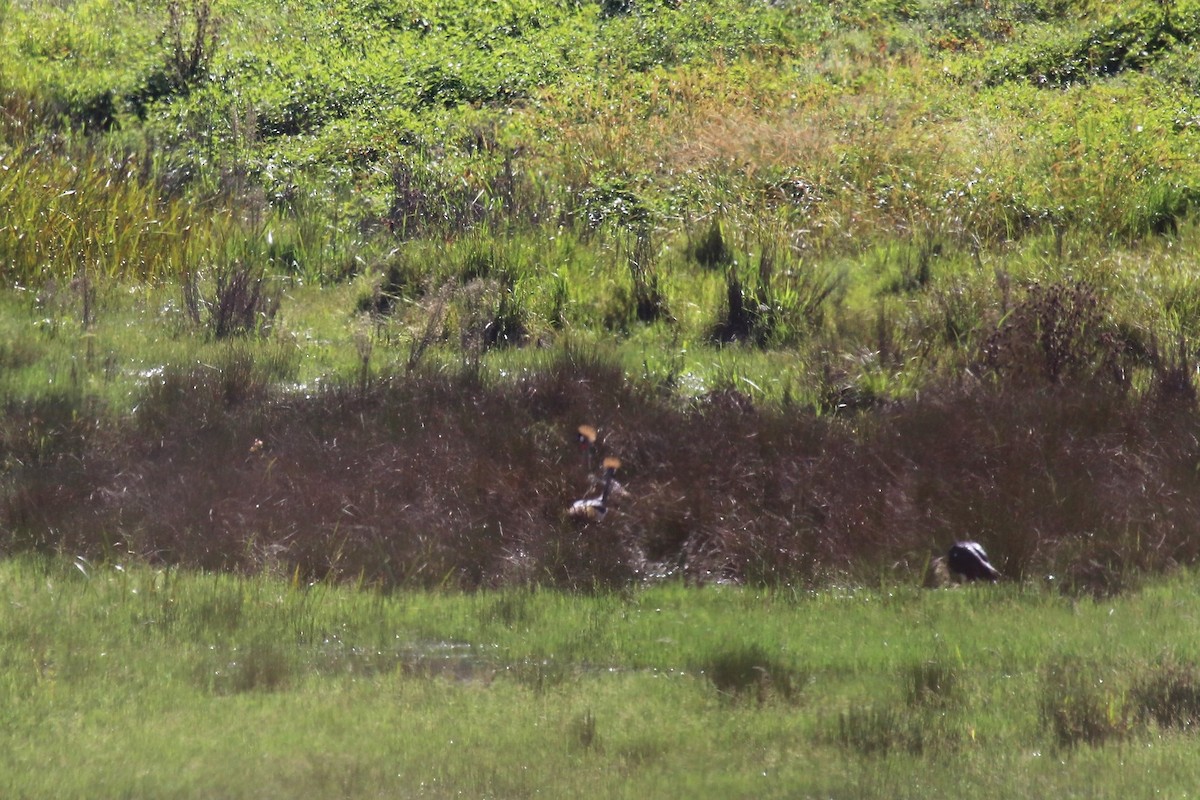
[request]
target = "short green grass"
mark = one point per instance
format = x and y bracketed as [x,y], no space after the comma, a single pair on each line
[132,681]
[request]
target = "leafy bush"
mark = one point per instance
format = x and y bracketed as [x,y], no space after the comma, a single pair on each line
[1123,42]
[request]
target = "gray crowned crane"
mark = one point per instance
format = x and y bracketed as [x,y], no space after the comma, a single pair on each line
[593,509]
[969,561]
[586,437]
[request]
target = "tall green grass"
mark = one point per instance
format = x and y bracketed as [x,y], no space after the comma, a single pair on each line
[88,219]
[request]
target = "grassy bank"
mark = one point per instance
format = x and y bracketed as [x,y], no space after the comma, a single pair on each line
[169,683]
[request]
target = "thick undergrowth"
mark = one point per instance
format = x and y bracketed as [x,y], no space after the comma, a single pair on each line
[463,478]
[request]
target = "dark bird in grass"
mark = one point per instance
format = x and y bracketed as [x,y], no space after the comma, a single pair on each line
[594,509]
[969,561]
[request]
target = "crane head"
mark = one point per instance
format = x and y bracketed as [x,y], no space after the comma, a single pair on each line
[586,436]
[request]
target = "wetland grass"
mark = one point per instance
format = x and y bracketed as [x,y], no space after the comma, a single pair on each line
[138,680]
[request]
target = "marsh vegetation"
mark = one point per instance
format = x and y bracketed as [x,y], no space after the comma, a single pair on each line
[837,285]
[302,305]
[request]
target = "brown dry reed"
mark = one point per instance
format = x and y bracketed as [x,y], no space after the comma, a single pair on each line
[457,478]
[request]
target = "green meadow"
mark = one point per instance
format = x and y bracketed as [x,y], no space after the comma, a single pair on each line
[130,681]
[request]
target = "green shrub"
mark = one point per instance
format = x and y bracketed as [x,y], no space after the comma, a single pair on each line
[1107,47]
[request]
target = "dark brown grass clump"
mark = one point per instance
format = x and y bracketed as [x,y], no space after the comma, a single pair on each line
[1057,333]
[460,479]
[1169,694]
[1078,707]
[750,672]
